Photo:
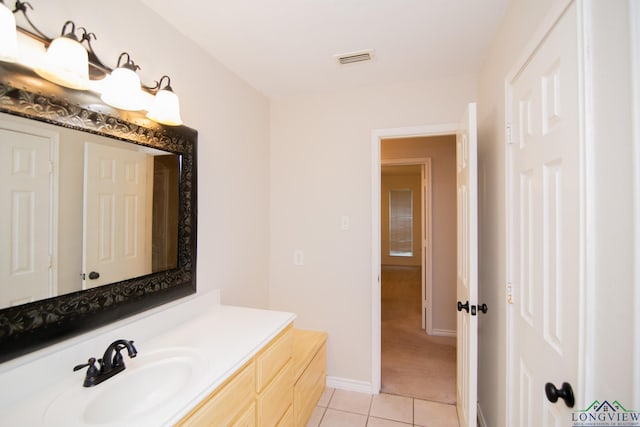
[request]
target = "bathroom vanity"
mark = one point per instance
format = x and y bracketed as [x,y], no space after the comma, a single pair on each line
[199,363]
[280,386]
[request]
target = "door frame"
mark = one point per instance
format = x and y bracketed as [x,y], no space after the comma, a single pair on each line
[425,233]
[377,135]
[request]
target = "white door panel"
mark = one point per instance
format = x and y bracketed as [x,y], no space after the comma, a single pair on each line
[115,215]
[544,205]
[26,209]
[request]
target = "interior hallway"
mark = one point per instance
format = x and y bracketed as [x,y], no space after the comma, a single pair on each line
[413,364]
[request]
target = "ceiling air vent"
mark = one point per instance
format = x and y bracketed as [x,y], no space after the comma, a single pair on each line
[350,58]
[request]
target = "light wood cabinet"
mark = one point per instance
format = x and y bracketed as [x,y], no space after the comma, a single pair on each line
[287,419]
[248,419]
[276,398]
[310,372]
[227,403]
[259,394]
[278,387]
[273,358]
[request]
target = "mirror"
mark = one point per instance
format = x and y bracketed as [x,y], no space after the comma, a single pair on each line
[101,211]
[84,286]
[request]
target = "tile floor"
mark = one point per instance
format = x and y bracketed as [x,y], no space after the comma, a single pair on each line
[340,408]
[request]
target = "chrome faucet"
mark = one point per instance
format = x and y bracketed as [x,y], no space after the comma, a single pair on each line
[110,364]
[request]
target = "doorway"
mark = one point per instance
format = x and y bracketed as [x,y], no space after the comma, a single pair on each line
[418,267]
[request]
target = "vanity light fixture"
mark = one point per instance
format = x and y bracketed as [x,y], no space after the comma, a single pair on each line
[122,88]
[69,63]
[8,35]
[66,62]
[165,107]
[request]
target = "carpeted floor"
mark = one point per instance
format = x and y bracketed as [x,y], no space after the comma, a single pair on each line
[413,364]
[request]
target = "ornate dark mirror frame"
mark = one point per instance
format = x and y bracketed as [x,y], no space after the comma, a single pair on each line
[31,326]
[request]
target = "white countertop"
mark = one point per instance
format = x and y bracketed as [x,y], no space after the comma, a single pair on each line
[222,337]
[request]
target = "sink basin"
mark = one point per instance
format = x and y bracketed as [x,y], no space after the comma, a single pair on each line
[148,383]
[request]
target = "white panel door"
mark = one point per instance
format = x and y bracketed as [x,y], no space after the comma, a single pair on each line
[467,266]
[544,227]
[115,215]
[25,218]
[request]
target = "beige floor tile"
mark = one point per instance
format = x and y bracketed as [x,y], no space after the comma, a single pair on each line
[433,414]
[350,401]
[379,422]
[326,396]
[316,416]
[333,418]
[391,407]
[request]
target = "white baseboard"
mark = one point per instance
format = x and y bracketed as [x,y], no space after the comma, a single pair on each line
[350,385]
[443,333]
[481,421]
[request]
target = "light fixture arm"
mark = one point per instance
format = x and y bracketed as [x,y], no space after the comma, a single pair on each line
[71,34]
[21,6]
[93,57]
[130,65]
[158,85]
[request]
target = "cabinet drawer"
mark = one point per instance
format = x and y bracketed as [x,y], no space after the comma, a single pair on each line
[226,403]
[273,358]
[287,419]
[248,419]
[276,399]
[309,387]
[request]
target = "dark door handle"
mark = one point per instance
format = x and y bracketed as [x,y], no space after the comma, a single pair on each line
[565,393]
[464,306]
[94,275]
[483,308]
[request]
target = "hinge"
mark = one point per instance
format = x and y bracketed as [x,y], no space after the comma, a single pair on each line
[508,133]
[509,293]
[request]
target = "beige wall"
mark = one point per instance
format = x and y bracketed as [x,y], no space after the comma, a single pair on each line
[391,182]
[321,169]
[232,120]
[442,151]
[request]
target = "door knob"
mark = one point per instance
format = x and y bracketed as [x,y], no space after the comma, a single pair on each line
[483,308]
[94,275]
[464,306]
[565,393]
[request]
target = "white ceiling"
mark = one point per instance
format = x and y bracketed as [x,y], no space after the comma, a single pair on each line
[287,47]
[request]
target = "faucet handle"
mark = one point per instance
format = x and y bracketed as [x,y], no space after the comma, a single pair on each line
[91,363]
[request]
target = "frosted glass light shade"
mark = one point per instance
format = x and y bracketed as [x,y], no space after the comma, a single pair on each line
[165,108]
[8,36]
[122,90]
[66,63]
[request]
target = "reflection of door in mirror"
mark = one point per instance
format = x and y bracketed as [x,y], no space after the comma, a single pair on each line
[27,205]
[117,216]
